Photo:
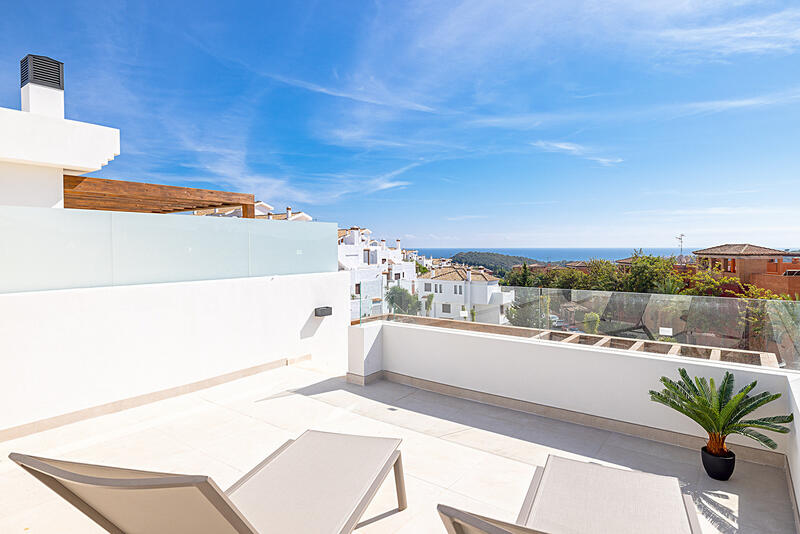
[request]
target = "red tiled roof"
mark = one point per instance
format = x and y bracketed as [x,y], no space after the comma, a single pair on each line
[458,274]
[741,249]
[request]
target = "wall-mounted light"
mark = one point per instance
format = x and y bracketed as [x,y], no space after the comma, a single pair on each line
[323,311]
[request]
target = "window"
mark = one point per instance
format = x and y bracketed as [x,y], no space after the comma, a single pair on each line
[397,276]
[460,290]
[358,288]
[445,308]
[502,309]
[366,256]
[427,286]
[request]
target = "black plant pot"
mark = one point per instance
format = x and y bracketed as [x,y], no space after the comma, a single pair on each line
[718,467]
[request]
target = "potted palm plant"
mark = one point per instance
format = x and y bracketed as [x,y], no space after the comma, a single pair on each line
[721,413]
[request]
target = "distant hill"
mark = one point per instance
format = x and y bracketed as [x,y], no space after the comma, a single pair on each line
[499,263]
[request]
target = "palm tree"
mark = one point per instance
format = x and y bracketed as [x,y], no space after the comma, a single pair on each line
[428,304]
[719,411]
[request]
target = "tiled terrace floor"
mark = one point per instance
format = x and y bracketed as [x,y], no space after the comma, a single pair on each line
[456,452]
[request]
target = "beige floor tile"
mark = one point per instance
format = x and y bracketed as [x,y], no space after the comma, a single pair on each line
[465,454]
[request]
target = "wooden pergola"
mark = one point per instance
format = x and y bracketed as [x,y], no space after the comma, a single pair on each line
[82,192]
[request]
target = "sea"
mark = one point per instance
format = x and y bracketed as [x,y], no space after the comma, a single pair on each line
[556,254]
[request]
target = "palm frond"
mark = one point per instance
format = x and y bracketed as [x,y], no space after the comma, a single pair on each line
[753,403]
[687,381]
[759,437]
[725,415]
[754,423]
[779,419]
[725,390]
[714,395]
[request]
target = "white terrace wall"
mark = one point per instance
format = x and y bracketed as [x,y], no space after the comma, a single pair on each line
[68,350]
[607,383]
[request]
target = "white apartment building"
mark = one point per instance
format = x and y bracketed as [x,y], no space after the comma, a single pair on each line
[460,292]
[416,257]
[373,266]
[262,211]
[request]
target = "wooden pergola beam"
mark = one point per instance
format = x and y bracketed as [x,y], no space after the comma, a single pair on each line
[82,192]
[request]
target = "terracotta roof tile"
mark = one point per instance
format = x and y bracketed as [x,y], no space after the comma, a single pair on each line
[741,249]
[458,274]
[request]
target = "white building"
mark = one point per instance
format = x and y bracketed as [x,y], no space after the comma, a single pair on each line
[464,293]
[38,146]
[374,267]
[416,257]
[262,211]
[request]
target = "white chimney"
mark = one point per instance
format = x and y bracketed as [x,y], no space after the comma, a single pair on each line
[398,244]
[288,212]
[383,244]
[269,215]
[42,86]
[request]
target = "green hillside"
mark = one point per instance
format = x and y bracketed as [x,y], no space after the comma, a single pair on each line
[499,263]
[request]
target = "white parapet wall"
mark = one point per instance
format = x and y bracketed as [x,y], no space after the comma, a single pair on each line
[606,383]
[70,350]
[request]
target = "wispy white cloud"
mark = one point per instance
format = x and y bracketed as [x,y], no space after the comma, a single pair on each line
[387,180]
[574,149]
[768,33]
[362,94]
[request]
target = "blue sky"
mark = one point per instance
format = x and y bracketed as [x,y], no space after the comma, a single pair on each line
[454,124]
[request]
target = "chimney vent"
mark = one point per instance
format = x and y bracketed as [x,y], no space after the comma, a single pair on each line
[41,70]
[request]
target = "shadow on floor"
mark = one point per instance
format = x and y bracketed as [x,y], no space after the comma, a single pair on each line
[710,497]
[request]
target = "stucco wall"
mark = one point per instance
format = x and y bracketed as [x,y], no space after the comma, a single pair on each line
[603,382]
[29,185]
[69,350]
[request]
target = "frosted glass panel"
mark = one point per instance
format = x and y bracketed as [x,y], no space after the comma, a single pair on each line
[291,247]
[43,248]
[172,248]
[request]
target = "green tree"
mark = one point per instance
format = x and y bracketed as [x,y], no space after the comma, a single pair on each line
[421,269]
[646,271]
[519,278]
[671,285]
[591,322]
[529,309]
[570,279]
[602,275]
[428,304]
[401,301]
[711,283]
[754,316]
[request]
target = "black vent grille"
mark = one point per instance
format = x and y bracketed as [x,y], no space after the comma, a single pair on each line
[41,70]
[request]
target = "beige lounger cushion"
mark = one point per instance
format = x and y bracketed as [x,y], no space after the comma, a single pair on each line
[333,473]
[578,497]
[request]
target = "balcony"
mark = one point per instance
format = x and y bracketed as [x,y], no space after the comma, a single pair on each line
[460,452]
[183,344]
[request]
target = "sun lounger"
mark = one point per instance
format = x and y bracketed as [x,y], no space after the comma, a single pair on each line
[322,482]
[574,497]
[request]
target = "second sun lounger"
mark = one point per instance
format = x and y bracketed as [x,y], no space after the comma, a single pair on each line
[571,496]
[322,483]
